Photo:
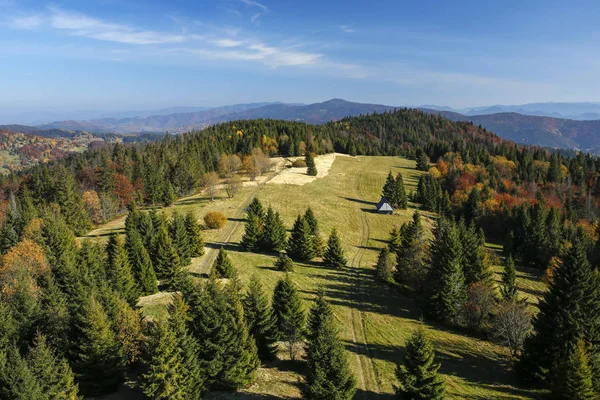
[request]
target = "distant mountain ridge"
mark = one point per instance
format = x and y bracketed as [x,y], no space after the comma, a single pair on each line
[579,111]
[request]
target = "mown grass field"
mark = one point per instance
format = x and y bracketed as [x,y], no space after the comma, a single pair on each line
[375,320]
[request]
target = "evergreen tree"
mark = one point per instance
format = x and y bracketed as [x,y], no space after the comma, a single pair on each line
[384,266]
[328,373]
[222,266]
[475,264]
[422,161]
[140,262]
[284,263]
[168,196]
[395,241]
[17,381]
[334,254]
[575,380]
[311,168]
[273,235]
[119,270]
[418,375]
[194,233]
[509,280]
[61,251]
[313,224]
[301,245]
[400,197]
[8,234]
[252,234]
[53,373]
[289,316]
[97,362]
[389,189]
[70,202]
[180,238]
[570,309]
[446,280]
[166,260]
[164,379]
[410,257]
[259,319]
[255,208]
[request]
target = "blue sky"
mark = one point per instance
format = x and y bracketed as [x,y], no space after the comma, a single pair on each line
[124,54]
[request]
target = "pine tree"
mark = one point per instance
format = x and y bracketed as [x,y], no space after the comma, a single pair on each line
[168,196]
[259,319]
[223,266]
[71,204]
[418,375]
[8,234]
[389,188]
[61,251]
[97,363]
[17,381]
[166,260]
[395,241]
[194,232]
[400,197]
[180,239]
[255,208]
[570,308]
[140,262]
[273,235]
[475,264]
[252,234]
[509,283]
[193,378]
[289,316]
[311,168]
[446,280]
[301,245]
[313,224]
[334,254]
[328,373]
[119,270]
[384,266]
[411,269]
[53,373]
[422,161]
[284,263]
[164,379]
[575,380]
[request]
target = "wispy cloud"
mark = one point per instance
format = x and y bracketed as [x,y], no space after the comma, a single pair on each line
[346,28]
[28,22]
[253,3]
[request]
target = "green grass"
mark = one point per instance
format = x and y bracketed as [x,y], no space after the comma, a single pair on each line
[375,320]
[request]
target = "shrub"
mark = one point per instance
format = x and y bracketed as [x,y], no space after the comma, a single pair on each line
[299,164]
[215,220]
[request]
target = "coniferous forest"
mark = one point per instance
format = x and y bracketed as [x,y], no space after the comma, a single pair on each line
[70,327]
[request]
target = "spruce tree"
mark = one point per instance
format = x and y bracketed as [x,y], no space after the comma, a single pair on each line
[418,375]
[97,363]
[252,234]
[575,380]
[389,189]
[255,208]
[509,283]
[222,266]
[273,235]
[61,251]
[71,204]
[284,263]
[447,291]
[384,268]
[166,260]
[164,377]
[119,270]
[8,234]
[311,168]
[328,372]
[259,319]
[313,224]
[301,245]
[411,269]
[193,378]
[400,197]
[334,254]
[194,232]
[140,261]
[180,239]
[17,381]
[395,241]
[422,161]
[475,264]
[570,308]
[53,373]
[289,315]
[168,196]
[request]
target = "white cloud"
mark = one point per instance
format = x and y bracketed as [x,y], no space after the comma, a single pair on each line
[253,3]
[346,28]
[29,22]
[224,42]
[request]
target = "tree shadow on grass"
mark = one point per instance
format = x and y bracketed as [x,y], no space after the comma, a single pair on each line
[370,203]
[236,219]
[190,202]
[229,246]
[366,394]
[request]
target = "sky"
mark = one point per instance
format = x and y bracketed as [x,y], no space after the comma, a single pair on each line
[115,55]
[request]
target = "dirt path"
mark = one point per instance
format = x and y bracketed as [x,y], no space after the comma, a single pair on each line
[367,372]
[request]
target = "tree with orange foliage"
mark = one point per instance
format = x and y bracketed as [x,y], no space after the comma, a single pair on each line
[25,255]
[93,206]
[123,189]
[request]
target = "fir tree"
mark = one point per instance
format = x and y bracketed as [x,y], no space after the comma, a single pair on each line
[311,168]
[395,241]
[194,233]
[164,379]
[97,363]
[222,266]
[119,270]
[446,279]
[301,245]
[284,263]
[418,375]
[384,266]
[400,197]
[389,189]
[509,283]
[71,204]
[180,239]
[259,319]
[17,381]
[289,315]
[255,208]
[273,235]
[140,262]
[422,161]
[334,254]
[166,260]
[575,380]
[168,196]
[328,373]
[8,234]
[61,251]
[410,257]
[252,234]
[313,224]
[475,264]
[53,373]
[570,308]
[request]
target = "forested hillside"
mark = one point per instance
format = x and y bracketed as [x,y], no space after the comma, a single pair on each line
[68,322]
